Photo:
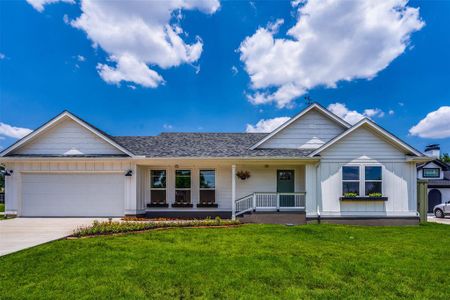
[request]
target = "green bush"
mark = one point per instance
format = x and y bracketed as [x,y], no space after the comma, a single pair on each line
[350,195]
[108,227]
[375,195]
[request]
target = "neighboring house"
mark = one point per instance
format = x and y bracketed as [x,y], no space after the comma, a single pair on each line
[67,167]
[437,173]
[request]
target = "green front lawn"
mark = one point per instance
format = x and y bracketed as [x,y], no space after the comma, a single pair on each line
[2,207]
[251,261]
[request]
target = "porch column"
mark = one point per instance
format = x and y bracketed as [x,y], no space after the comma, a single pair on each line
[233,192]
[311,188]
[131,191]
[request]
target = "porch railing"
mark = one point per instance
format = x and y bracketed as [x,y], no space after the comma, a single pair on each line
[270,202]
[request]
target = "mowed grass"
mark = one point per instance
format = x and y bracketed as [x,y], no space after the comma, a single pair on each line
[248,262]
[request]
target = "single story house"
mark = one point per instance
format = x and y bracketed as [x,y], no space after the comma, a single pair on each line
[437,173]
[315,165]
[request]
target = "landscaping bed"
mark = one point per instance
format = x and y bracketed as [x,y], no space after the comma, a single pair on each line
[247,261]
[136,225]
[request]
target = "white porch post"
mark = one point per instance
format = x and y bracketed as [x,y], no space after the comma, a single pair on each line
[131,191]
[233,192]
[311,187]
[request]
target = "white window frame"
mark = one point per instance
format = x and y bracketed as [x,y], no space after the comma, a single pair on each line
[157,189]
[207,189]
[362,177]
[182,189]
[348,180]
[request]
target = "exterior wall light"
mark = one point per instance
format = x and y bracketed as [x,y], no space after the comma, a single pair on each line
[8,173]
[129,173]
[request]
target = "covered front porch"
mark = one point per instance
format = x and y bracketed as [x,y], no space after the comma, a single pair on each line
[226,188]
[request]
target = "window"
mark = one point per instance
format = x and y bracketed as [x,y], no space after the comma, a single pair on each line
[207,187]
[431,173]
[373,180]
[183,187]
[364,183]
[350,179]
[158,187]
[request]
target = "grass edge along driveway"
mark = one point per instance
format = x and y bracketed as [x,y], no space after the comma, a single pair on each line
[250,261]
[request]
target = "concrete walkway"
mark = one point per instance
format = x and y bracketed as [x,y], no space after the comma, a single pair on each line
[22,233]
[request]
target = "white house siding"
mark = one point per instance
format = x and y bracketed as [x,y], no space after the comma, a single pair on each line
[14,192]
[65,136]
[363,147]
[310,131]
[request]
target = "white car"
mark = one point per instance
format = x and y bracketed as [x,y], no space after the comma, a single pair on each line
[442,210]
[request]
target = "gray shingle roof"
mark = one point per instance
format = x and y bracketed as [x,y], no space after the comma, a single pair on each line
[437,183]
[179,144]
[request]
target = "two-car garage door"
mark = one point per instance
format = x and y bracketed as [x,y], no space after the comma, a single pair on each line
[78,194]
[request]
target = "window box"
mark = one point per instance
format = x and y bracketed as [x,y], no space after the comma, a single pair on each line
[207,205]
[181,205]
[157,205]
[363,198]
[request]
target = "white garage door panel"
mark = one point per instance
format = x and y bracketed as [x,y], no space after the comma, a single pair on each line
[72,194]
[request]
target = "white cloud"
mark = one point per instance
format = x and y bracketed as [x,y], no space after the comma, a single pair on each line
[81,58]
[391,112]
[332,41]
[266,125]
[168,126]
[12,131]
[2,56]
[138,35]
[352,116]
[234,70]
[401,104]
[39,4]
[435,125]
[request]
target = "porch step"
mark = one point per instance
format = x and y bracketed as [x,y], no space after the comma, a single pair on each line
[284,217]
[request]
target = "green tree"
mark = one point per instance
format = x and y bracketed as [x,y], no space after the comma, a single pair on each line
[445,158]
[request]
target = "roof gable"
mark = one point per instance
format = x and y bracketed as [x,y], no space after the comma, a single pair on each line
[434,164]
[378,131]
[314,140]
[66,135]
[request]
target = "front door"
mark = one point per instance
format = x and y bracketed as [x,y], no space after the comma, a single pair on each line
[286,184]
[434,198]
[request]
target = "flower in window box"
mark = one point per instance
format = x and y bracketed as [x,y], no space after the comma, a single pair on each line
[350,195]
[375,195]
[243,174]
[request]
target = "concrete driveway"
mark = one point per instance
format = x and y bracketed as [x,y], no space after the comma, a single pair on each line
[433,219]
[22,233]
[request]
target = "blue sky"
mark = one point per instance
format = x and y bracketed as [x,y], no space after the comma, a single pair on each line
[49,64]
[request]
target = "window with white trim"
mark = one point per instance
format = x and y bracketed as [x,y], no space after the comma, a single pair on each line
[362,180]
[350,180]
[158,187]
[207,187]
[373,180]
[183,187]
